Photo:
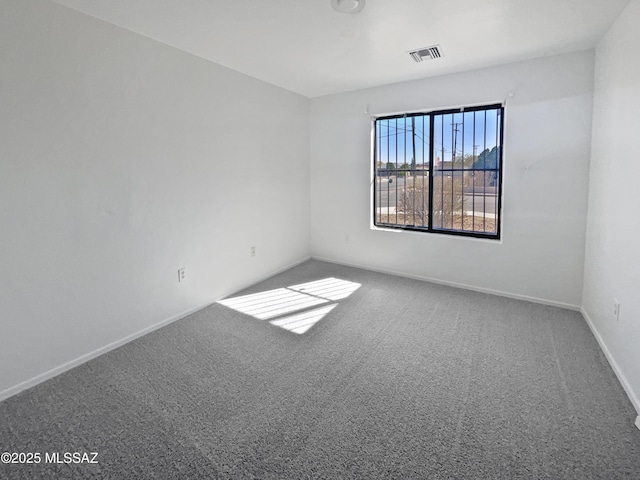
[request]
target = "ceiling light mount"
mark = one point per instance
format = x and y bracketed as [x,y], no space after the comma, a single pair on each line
[348,6]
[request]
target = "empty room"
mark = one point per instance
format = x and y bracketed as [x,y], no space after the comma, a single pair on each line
[288,239]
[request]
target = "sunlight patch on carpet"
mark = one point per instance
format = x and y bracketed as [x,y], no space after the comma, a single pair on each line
[292,308]
[301,322]
[330,288]
[272,303]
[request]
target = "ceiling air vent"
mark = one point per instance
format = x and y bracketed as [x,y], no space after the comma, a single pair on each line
[428,53]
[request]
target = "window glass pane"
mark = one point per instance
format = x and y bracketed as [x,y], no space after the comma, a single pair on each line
[460,191]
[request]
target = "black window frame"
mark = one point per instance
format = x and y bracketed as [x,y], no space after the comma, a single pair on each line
[497,235]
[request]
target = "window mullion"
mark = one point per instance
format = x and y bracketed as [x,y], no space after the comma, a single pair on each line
[431,146]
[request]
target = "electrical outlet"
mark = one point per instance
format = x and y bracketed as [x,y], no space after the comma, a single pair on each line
[616,309]
[253,251]
[182,274]
[346,238]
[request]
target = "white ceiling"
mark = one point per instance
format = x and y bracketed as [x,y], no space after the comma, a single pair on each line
[307,47]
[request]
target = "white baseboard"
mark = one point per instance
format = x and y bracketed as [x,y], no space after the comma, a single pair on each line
[614,365]
[474,288]
[32,382]
[9,392]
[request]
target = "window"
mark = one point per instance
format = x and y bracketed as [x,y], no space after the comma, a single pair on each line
[440,172]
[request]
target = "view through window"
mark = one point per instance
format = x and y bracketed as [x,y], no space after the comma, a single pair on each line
[440,171]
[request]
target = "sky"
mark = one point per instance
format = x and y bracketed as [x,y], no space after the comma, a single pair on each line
[470,132]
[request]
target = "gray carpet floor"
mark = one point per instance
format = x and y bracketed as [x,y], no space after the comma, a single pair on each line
[401,379]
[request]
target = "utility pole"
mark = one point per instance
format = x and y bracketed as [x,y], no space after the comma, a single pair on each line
[455,141]
[413,140]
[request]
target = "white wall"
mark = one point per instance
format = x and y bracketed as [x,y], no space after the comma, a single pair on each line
[612,267]
[546,164]
[121,160]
